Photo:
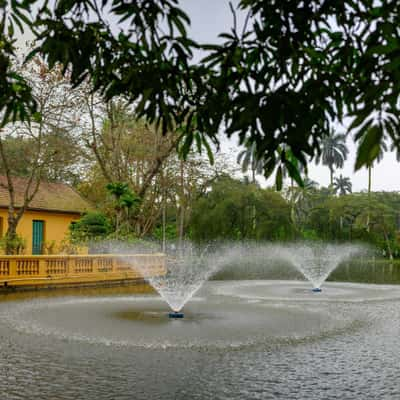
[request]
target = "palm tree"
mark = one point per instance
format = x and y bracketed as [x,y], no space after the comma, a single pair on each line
[248,158]
[334,152]
[301,198]
[299,193]
[395,148]
[342,185]
[125,200]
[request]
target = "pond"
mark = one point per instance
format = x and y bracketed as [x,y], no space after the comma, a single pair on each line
[243,339]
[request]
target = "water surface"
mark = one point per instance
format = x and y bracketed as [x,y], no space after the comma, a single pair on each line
[240,340]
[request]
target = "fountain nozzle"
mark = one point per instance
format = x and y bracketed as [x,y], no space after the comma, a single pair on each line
[316,289]
[175,314]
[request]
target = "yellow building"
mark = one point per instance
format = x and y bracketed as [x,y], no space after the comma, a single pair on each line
[45,223]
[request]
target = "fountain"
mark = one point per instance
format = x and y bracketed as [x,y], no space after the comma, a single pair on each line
[316,261]
[253,313]
[261,332]
[187,267]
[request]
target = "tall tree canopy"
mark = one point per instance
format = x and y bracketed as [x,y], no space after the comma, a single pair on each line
[334,152]
[280,81]
[342,185]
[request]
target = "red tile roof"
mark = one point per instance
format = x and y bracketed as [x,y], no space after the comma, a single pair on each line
[50,196]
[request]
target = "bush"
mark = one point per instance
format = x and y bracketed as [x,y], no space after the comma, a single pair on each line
[92,226]
[170,232]
[15,245]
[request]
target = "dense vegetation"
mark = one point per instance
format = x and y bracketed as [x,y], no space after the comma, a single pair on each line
[239,210]
[233,209]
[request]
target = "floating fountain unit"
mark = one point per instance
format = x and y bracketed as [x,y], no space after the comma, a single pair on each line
[176,314]
[316,290]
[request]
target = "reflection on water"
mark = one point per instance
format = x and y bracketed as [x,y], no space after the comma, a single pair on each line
[380,272]
[89,291]
[362,271]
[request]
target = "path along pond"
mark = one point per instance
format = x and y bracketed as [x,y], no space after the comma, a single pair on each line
[241,339]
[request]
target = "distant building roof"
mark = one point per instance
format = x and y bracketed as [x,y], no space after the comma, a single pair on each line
[50,196]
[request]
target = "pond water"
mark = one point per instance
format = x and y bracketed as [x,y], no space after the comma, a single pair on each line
[258,339]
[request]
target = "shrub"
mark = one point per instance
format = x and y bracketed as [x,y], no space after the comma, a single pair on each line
[13,245]
[92,226]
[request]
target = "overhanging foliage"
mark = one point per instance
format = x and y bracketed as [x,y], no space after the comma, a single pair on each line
[280,82]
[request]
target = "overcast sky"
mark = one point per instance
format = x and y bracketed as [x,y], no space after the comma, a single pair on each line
[210,17]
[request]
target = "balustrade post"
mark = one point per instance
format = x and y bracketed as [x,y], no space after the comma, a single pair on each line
[42,267]
[13,267]
[96,264]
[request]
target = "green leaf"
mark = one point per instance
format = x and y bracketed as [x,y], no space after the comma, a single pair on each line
[357,121]
[143,101]
[363,128]
[370,147]
[209,151]
[294,172]
[278,179]
[198,138]
[187,144]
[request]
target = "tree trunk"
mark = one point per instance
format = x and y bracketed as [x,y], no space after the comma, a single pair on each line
[369,196]
[388,244]
[331,173]
[117,224]
[11,235]
[292,211]
[369,179]
[164,212]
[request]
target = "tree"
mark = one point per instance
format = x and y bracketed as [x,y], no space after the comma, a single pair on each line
[16,99]
[66,158]
[124,149]
[301,200]
[334,152]
[370,165]
[381,221]
[58,106]
[248,158]
[125,200]
[342,185]
[279,81]
[240,210]
[20,154]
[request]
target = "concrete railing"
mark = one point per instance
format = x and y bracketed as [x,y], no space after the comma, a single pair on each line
[34,270]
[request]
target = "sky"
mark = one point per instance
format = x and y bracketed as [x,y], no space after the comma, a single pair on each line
[209,18]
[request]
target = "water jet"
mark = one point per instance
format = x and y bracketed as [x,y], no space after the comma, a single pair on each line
[316,261]
[187,267]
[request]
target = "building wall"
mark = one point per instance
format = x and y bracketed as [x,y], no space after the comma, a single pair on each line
[55,226]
